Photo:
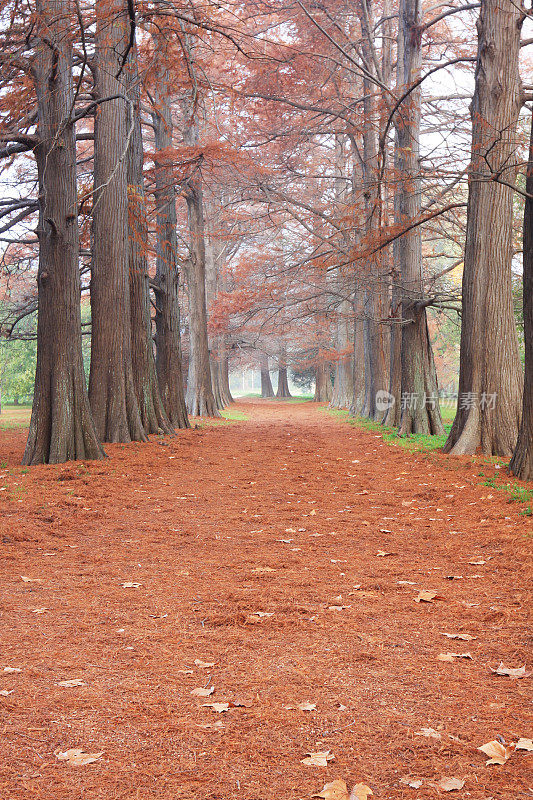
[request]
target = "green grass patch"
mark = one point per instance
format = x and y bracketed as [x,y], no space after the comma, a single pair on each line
[414,442]
[517,493]
[15,417]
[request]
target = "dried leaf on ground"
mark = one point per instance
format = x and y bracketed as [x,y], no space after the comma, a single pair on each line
[450,784]
[306,706]
[318,759]
[7,692]
[72,682]
[414,783]
[39,610]
[336,790]
[360,792]
[77,758]
[337,608]
[131,585]
[203,691]
[204,664]
[30,580]
[511,672]
[451,656]
[384,553]
[12,669]
[426,596]
[431,733]
[524,744]
[219,708]
[261,570]
[465,637]
[497,752]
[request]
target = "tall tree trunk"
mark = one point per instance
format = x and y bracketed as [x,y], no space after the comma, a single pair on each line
[522,461]
[358,379]
[61,426]
[112,393]
[420,405]
[490,381]
[375,364]
[153,416]
[283,391]
[199,397]
[393,414]
[267,389]
[323,387]
[169,363]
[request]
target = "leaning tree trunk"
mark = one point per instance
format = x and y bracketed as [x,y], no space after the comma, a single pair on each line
[522,461]
[61,426]
[267,389]
[153,416]
[490,381]
[169,364]
[420,411]
[111,385]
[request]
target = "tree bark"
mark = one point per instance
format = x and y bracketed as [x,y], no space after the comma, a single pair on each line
[375,363]
[61,426]
[169,363]
[199,397]
[522,460]
[489,357]
[283,391]
[420,411]
[153,415]
[267,389]
[323,387]
[112,393]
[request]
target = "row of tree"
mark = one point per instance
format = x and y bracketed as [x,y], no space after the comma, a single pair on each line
[299,167]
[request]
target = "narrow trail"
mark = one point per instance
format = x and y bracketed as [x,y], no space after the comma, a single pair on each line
[284,514]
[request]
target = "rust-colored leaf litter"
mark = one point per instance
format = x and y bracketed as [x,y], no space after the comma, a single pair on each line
[204,548]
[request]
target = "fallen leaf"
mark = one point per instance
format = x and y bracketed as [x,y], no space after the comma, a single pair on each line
[451,656]
[131,585]
[39,610]
[336,790]
[384,553]
[72,682]
[511,672]
[524,744]
[203,691]
[360,792]
[7,692]
[464,636]
[204,664]
[318,759]
[431,733]
[261,570]
[30,580]
[12,669]
[77,758]
[425,596]
[307,706]
[244,702]
[218,707]
[477,563]
[498,753]
[413,783]
[312,512]
[450,784]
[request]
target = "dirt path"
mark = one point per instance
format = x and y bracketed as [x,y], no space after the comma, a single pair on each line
[283,514]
